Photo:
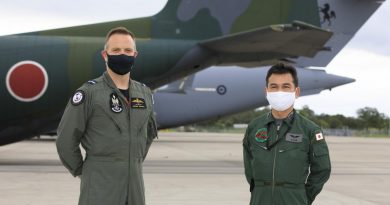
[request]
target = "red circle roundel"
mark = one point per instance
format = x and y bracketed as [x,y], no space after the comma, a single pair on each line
[27,81]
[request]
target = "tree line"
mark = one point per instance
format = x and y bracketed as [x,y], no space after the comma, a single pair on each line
[367,118]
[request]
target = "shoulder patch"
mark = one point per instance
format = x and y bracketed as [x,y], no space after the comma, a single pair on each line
[78,97]
[319,136]
[91,82]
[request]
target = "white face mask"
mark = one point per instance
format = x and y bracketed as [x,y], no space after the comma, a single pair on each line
[281,101]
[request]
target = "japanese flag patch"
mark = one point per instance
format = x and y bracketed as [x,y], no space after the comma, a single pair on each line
[319,136]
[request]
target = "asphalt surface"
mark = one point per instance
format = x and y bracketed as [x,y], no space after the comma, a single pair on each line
[195,169]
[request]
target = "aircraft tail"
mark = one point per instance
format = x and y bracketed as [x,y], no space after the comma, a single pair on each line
[344,19]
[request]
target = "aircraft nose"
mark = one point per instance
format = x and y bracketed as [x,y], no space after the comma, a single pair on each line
[318,80]
[336,80]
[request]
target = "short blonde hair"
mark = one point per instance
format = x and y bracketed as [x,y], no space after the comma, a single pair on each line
[119,30]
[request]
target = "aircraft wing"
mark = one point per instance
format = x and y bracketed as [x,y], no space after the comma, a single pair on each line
[179,86]
[269,44]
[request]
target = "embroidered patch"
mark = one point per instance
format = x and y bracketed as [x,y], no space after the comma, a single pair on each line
[261,135]
[78,97]
[319,136]
[291,137]
[138,103]
[115,103]
[91,82]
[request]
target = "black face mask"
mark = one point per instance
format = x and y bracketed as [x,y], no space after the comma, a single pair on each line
[120,64]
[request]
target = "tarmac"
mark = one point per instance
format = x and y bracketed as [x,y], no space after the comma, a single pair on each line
[195,169]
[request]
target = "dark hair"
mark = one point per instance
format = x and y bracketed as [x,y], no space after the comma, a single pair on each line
[281,68]
[119,30]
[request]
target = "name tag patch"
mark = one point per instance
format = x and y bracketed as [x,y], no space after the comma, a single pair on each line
[138,103]
[296,138]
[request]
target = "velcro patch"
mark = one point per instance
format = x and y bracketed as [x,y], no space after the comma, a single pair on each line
[261,135]
[115,103]
[138,103]
[319,136]
[78,97]
[91,82]
[291,137]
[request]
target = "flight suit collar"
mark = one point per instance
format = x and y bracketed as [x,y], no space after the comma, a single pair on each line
[107,79]
[289,120]
[110,82]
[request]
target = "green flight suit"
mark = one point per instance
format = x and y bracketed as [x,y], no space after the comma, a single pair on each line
[287,164]
[116,135]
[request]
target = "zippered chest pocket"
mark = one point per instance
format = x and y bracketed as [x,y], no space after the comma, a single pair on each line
[292,163]
[111,118]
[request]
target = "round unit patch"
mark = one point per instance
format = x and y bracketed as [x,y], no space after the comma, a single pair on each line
[78,97]
[261,135]
[27,81]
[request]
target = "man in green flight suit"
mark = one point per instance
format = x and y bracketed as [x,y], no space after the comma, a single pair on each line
[112,117]
[285,155]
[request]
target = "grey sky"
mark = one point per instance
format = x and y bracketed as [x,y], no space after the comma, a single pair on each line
[366,58]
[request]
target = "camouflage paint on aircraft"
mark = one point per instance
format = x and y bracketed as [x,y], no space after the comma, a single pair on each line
[226,17]
[203,19]
[182,39]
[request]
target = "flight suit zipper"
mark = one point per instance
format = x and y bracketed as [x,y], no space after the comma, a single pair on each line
[273,169]
[128,106]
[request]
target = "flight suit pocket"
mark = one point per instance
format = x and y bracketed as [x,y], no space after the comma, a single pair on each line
[320,150]
[103,117]
[293,164]
[139,117]
[291,196]
[142,141]
[84,184]
[107,133]
[141,137]
[140,110]
[262,162]
[152,129]
[107,183]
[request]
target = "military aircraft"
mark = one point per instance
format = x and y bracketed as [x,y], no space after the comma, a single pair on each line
[218,91]
[42,69]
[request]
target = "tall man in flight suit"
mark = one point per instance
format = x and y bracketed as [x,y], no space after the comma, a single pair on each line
[281,147]
[112,117]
